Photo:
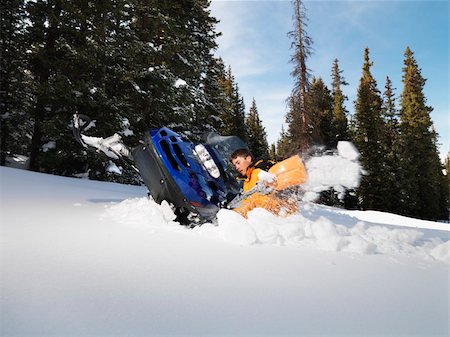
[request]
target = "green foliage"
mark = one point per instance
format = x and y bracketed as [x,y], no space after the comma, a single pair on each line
[320,105]
[15,125]
[233,114]
[369,135]
[339,127]
[422,174]
[257,137]
[138,63]
[392,156]
[273,152]
[283,146]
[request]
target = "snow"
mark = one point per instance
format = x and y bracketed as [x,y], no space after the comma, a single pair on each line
[126,131]
[340,171]
[265,177]
[17,161]
[49,145]
[113,168]
[112,146]
[180,83]
[88,258]
[347,150]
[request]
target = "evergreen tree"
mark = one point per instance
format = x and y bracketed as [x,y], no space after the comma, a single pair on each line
[129,65]
[299,118]
[227,84]
[14,87]
[444,204]
[173,69]
[273,152]
[77,68]
[319,103]
[283,146]
[138,63]
[215,96]
[44,31]
[238,114]
[392,152]
[257,137]
[421,165]
[339,120]
[368,139]
[233,118]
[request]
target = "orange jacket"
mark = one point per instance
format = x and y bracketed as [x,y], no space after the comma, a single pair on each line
[268,201]
[252,173]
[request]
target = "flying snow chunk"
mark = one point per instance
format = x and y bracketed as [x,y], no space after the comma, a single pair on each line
[266,177]
[347,150]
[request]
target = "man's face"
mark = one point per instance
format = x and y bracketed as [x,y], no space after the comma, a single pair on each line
[241,164]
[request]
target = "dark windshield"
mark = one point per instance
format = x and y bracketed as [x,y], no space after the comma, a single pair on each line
[224,145]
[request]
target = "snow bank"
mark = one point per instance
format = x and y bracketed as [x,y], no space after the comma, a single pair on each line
[262,227]
[142,213]
[309,228]
[90,258]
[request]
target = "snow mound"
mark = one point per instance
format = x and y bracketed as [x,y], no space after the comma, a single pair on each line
[143,213]
[262,227]
[309,228]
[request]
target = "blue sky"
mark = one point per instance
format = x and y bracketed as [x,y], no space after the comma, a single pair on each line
[255,44]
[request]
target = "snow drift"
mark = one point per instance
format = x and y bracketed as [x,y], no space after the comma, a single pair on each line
[86,258]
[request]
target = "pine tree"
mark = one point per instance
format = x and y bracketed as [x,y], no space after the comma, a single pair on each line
[299,117]
[233,117]
[339,121]
[14,81]
[319,103]
[215,96]
[368,139]
[444,204]
[141,63]
[173,69]
[238,114]
[283,146]
[421,165]
[257,137]
[273,152]
[129,65]
[392,151]
[77,68]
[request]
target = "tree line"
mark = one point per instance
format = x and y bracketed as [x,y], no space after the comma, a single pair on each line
[128,65]
[135,65]
[397,140]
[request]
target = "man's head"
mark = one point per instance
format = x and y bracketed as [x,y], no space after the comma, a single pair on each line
[241,159]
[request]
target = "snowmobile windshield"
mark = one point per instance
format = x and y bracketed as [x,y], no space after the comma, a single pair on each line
[224,145]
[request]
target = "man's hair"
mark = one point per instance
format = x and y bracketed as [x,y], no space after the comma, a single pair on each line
[241,153]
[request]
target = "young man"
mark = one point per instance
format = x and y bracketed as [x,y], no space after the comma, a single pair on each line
[245,164]
[249,170]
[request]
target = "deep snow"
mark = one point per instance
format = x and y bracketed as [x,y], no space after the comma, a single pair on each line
[87,258]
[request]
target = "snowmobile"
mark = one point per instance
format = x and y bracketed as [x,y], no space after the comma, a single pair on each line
[195,178]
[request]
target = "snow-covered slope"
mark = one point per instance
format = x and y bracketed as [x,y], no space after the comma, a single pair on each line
[86,258]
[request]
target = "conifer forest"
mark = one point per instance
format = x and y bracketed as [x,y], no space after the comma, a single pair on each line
[134,65]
